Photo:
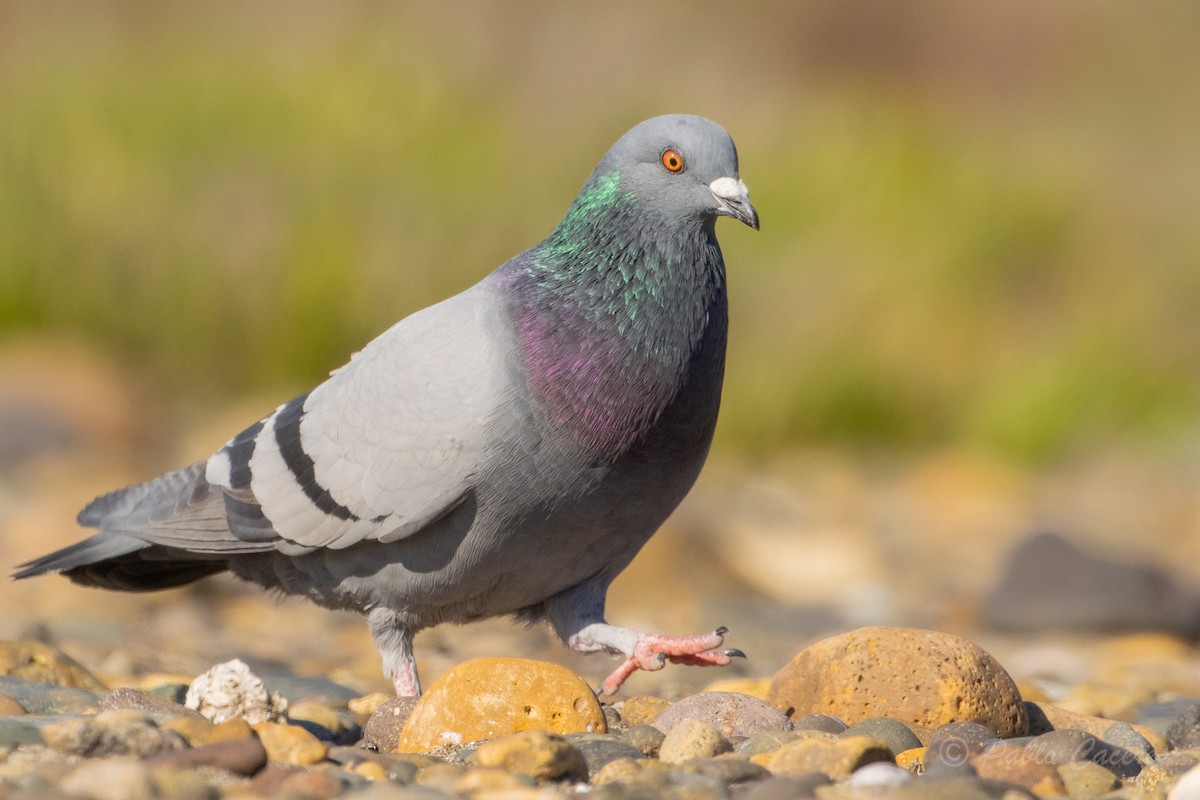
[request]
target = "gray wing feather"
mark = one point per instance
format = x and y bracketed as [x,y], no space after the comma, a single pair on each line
[389,443]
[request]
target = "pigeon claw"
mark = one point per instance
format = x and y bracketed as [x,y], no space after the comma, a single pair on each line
[653,651]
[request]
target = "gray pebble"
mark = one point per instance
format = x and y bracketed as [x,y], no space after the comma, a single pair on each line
[819,722]
[783,787]
[973,734]
[15,731]
[160,709]
[1066,746]
[729,769]
[645,738]
[47,698]
[765,742]
[1176,763]
[892,732]
[949,758]
[736,716]
[599,749]
[1123,735]
[1184,731]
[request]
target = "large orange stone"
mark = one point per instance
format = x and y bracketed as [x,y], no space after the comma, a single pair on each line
[489,697]
[919,677]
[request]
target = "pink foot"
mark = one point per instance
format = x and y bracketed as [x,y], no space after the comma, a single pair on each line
[406,681]
[653,651]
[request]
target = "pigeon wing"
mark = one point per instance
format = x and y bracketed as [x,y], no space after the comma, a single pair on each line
[391,442]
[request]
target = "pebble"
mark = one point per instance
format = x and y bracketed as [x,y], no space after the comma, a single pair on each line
[736,716]
[365,707]
[921,677]
[1087,780]
[642,709]
[485,698]
[160,709]
[1045,717]
[110,779]
[536,753]
[1184,731]
[382,731]
[836,759]
[788,787]
[121,732]
[290,744]
[819,722]
[1187,787]
[692,739]
[729,768]
[10,707]
[879,775]
[892,732]
[1020,765]
[645,738]
[49,698]
[600,748]
[37,662]
[1123,735]
[765,742]
[239,756]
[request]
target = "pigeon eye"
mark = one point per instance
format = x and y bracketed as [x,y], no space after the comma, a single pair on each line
[672,161]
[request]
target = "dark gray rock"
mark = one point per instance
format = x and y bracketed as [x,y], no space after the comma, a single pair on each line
[598,749]
[892,732]
[819,722]
[244,756]
[1122,734]
[1067,745]
[1051,584]
[645,739]
[729,769]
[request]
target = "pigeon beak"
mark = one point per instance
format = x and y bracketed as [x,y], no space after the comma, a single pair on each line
[733,200]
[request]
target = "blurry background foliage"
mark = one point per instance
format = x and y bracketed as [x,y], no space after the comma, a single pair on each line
[981,222]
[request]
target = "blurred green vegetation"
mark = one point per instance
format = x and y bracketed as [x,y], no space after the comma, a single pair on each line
[980,225]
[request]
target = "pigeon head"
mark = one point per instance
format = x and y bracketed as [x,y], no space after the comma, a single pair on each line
[682,167]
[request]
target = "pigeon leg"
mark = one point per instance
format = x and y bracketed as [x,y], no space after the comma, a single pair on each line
[394,641]
[651,651]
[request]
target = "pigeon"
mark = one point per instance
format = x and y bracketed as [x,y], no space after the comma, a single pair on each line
[506,451]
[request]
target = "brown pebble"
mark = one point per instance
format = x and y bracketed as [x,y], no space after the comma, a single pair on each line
[916,676]
[159,708]
[109,779]
[1019,765]
[123,732]
[10,707]
[382,731]
[239,756]
[194,730]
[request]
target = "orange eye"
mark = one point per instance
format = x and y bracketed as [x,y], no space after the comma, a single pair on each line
[672,161]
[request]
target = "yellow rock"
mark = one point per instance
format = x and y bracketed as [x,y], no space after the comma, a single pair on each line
[290,744]
[317,714]
[371,770]
[10,707]
[917,676]
[535,753]
[642,709]
[485,698]
[41,663]
[236,728]
[195,730]
[363,707]
[836,759]
[912,760]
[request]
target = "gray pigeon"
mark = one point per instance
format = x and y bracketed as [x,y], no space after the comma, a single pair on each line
[506,451]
